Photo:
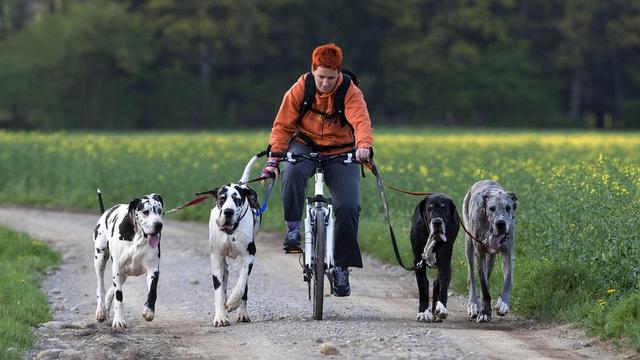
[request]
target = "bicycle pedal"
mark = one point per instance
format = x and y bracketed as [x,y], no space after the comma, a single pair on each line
[293,251]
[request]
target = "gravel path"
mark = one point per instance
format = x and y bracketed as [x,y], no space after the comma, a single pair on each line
[376,321]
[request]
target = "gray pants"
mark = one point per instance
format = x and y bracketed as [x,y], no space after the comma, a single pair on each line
[343,182]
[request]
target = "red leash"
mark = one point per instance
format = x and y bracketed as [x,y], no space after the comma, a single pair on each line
[197,200]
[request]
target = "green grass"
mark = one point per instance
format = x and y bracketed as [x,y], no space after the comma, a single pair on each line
[22,305]
[577,245]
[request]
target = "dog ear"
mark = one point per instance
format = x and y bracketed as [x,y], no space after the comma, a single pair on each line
[422,209]
[213,192]
[484,204]
[252,197]
[133,205]
[453,216]
[513,197]
[158,198]
[131,225]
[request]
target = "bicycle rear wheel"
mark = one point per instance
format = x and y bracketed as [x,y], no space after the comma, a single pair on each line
[318,265]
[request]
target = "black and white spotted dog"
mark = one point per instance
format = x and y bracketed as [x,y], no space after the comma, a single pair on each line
[129,234]
[233,226]
[434,229]
[489,213]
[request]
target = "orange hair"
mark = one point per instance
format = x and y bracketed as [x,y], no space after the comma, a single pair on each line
[327,55]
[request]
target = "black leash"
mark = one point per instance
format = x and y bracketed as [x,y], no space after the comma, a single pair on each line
[430,193]
[380,183]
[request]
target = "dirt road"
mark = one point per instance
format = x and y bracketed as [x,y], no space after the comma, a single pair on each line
[376,321]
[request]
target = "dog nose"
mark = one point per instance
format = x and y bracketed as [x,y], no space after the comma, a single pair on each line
[157,227]
[501,225]
[228,212]
[437,222]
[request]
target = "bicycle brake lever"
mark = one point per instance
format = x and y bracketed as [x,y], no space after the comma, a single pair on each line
[290,158]
[348,160]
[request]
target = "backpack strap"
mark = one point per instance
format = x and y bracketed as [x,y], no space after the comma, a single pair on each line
[338,100]
[309,95]
[353,77]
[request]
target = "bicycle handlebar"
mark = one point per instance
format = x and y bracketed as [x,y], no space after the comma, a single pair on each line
[345,158]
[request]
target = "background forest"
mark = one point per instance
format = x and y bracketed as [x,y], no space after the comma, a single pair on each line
[200,64]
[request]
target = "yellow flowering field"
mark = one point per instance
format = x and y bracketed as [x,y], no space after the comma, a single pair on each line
[577,218]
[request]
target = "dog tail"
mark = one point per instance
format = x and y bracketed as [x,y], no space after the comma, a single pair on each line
[240,289]
[247,170]
[100,203]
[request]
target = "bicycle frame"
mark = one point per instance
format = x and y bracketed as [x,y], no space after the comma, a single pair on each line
[312,216]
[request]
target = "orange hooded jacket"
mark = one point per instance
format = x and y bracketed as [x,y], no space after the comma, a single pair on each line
[320,130]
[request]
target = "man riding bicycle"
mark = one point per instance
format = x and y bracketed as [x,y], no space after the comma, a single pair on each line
[320,128]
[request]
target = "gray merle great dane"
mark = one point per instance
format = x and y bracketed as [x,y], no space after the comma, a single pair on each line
[233,226]
[129,234]
[489,213]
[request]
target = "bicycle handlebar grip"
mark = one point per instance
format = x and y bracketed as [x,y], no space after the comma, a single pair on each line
[277,154]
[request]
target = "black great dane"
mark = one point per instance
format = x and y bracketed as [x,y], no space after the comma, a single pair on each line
[434,229]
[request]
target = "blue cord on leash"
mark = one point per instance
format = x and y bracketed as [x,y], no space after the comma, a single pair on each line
[263,208]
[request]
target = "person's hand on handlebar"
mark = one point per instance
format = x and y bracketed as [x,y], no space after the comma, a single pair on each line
[363,154]
[271,168]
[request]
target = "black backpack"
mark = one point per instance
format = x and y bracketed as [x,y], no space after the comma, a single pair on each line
[338,105]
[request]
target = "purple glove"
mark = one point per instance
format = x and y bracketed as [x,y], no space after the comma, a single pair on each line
[271,169]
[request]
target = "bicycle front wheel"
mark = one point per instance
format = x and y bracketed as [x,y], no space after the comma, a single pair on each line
[318,265]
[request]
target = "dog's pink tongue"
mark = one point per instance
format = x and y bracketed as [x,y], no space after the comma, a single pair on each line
[494,243]
[154,240]
[443,238]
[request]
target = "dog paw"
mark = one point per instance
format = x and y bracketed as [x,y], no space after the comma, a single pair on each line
[231,307]
[220,320]
[501,307]
[101,314]
[440,312]
[472,310]
[484,317]
[147,314]
[425,316]
[119,324]
[243,317]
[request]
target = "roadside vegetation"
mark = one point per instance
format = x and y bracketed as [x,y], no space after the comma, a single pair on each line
[577,245]
[22,305]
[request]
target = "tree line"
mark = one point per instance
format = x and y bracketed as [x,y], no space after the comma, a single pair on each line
[193,64]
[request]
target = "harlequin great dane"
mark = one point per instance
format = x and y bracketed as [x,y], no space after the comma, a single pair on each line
[489,213]
[129,234]
[434,230]
[233,226]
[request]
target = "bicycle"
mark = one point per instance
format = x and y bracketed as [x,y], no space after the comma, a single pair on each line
[318,227]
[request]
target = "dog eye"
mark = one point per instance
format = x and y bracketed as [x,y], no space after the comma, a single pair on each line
[146,213]
[508,208]
[492,208]
[160,212]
